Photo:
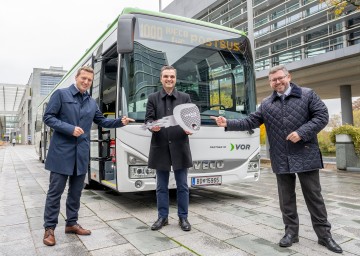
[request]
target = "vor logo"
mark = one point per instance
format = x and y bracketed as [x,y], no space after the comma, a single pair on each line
[239,147]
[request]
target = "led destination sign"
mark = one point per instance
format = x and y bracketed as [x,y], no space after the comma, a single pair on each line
[188,35]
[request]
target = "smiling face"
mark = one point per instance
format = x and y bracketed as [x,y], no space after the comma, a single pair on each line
[168,80]
[280,81]
[84,80]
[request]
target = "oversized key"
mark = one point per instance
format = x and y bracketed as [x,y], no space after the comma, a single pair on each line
[186,115]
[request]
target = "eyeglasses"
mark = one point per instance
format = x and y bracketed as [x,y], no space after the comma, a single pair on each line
[277,78]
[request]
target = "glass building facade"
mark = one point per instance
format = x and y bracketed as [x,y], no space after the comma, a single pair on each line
[283,31]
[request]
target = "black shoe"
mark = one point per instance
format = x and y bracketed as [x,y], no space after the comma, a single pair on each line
[160,223]
[329,243]
[184,224]
[288,240]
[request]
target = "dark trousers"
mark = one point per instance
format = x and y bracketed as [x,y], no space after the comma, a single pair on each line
[311,188]
[162,192]
[56,189]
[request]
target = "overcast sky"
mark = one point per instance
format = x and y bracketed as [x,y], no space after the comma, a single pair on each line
[44,33]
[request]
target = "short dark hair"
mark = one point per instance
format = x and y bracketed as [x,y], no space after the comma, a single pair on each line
[167,68]
[86,69]
[277,68]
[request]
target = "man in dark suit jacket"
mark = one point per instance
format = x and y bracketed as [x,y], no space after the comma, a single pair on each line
[70,112]
[169,147]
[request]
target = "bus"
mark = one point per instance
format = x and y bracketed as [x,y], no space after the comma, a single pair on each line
[214,66]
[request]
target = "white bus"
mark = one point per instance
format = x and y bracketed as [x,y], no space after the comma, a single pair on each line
[214,66]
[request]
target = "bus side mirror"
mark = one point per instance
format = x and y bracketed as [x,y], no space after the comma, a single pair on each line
[125,33]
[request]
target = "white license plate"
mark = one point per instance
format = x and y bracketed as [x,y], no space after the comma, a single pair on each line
[205,181]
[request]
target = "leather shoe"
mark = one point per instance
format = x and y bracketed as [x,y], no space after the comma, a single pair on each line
[160,223]
[77,229]
[184,224]
[288,240]
[329,243]
[49,237]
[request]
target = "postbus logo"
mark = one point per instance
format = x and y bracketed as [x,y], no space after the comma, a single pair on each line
[239,147]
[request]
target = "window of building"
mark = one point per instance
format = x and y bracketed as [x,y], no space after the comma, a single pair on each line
[47,83]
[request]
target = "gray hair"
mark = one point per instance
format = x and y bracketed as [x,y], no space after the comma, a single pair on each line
[167,68]
[277,68]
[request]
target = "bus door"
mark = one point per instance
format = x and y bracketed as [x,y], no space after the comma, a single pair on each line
[102,142]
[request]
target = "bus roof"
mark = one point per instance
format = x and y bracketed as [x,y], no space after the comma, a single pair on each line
[131,10]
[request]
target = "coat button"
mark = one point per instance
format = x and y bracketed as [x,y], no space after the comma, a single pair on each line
[169,141]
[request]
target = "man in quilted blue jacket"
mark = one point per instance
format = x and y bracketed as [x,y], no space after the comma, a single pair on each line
[293,116]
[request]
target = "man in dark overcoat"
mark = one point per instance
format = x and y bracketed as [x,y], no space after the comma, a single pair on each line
[70,113]
[293,116]
[169,148]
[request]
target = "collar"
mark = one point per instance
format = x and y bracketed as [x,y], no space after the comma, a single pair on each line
[287,92]
[74,90]
[174,93]
[295,91]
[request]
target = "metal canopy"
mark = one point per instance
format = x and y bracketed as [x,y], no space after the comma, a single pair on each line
[10,98]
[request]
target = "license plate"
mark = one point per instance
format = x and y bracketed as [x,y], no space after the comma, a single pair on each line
[205,181]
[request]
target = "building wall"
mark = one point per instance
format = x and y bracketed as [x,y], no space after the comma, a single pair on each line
[41,81]
[281,31]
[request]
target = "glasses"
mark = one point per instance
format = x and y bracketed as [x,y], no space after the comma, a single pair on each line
[278,78]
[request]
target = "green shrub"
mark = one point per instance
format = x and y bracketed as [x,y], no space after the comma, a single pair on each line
[354,133]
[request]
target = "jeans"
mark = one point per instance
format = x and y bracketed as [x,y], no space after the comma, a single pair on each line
[162,192]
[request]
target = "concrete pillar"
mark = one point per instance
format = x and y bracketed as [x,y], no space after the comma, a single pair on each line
[346,105]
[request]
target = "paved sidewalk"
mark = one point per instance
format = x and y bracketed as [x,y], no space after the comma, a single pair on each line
[241,219]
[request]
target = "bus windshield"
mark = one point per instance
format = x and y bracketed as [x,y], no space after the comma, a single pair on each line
[213,66]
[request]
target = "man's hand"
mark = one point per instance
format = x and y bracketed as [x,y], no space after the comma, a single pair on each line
[125,120]
[293,137]
[188,133]
[78,131]
[155,128]
[220,120]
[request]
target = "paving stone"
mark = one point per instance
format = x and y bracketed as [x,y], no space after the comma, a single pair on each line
[267,220]
[14,232]
[128,226]
[206,245]
[35,212]
[102,238]
[122,250]
[349,232]
[92,222]
[73,248]
[352,246]
[13,219]
[150,241]
[238,210]
[180,251]
[258,246]
[112,214]
[23,247]
[11,209]
[219,230]
[60,237]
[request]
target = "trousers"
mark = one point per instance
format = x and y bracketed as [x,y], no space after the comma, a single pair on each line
[162,192]
[56,189]
[311,188]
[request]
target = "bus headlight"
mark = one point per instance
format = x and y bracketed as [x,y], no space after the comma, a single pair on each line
[133,160]
[254,164]
[141,172]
